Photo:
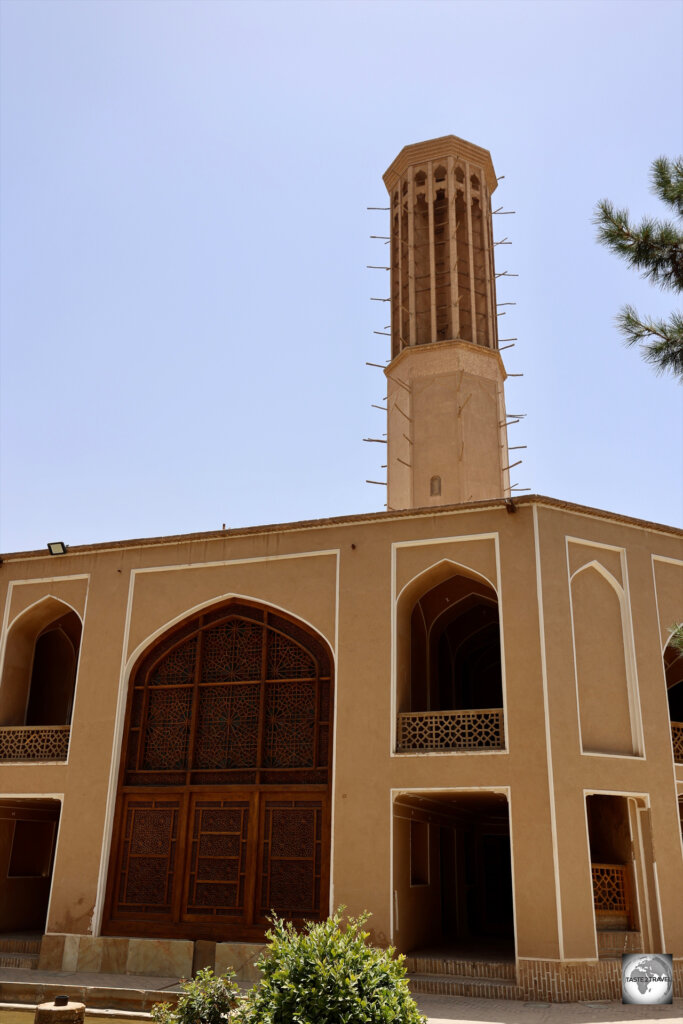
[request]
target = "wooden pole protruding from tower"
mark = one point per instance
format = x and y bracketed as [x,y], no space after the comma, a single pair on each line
[444,331]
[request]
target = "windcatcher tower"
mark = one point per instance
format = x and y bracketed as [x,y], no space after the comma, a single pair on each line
[447,441]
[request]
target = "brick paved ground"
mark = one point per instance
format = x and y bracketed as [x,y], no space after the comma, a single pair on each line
[461,1010]
[447,1010]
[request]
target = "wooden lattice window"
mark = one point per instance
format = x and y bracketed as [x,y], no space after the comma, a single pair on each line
[223,808]
[241,700]
[610,888]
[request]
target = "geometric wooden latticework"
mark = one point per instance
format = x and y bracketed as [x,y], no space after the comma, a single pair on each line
[227,747]
[242,699]
[677,741]
[480,729]
[610,889]
[219,831]
[148,855]
[34,742]
[291,861]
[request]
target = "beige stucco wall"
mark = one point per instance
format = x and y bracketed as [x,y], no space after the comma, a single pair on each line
[446,418]
[347,581]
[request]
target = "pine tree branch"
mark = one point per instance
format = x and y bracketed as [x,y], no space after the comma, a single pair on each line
[665,349]
[666,181]
[654,247]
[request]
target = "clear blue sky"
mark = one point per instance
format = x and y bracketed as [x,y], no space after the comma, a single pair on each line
[186,314]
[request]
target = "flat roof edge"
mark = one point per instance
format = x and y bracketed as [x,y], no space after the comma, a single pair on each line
[310,524]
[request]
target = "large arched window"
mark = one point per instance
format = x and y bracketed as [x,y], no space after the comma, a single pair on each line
[223,810]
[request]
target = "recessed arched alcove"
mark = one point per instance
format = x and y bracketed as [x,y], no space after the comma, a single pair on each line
[223,809]
[450,690]
[38,682]
[673,669]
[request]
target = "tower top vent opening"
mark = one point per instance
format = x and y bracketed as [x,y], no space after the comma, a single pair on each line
[437,149]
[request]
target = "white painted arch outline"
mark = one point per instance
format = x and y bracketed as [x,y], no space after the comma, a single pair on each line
[8,627]
[457,569]
[127,666]
[632,689]
[199,608]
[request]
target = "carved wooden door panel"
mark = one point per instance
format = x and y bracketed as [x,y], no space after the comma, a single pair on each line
[147,858]
[292,875]
[218,882]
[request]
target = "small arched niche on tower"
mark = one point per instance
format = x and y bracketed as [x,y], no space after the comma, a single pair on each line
[450,689]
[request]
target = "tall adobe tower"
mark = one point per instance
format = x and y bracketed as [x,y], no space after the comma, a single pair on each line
[447,441]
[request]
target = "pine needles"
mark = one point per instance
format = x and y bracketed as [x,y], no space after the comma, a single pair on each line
[655,249]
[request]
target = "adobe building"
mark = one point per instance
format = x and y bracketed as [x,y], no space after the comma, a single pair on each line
[461,713]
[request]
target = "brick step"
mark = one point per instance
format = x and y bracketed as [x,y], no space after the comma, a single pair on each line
[20,944]
[498,970]
[29,960]
[481,988]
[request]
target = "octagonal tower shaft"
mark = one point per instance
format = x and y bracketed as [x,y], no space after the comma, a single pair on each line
[447,440]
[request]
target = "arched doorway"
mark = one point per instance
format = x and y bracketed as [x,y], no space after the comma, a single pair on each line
[223,802]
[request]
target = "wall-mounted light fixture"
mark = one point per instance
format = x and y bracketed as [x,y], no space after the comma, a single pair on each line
[57,547]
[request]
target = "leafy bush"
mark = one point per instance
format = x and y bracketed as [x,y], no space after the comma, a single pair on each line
[327,974]
[206,999]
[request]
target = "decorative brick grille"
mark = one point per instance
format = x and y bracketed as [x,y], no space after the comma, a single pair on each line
[34,742]
[610,889]
[479,729]
[677,741]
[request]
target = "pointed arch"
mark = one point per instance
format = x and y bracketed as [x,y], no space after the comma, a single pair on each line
[449,656]
[604,663]
[226,748]
[436,573]
[673,674]
[216,602]
[605,573]
[40,664]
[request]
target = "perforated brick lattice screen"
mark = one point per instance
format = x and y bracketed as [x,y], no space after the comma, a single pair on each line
[451,730]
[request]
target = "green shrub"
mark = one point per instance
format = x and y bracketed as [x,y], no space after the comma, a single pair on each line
[206,999]
[327,974]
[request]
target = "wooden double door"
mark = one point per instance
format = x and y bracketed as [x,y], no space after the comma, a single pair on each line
[223,803]
[216,864]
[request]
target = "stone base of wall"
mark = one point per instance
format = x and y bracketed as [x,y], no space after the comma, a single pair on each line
[570,982]
[156,958]
[536,980]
